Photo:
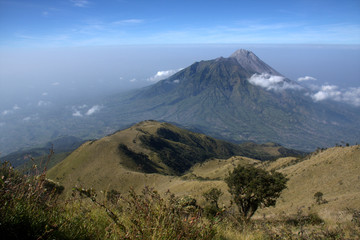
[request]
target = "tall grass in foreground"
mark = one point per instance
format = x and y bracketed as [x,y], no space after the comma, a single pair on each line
[30,208]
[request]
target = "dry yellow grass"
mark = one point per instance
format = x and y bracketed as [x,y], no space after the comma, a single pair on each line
[335,172]
[219,168]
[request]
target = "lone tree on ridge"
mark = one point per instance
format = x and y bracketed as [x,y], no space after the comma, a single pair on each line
[252,188]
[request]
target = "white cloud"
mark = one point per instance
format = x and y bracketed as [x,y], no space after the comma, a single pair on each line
[160,75]
[77,113]
[45,94]
[93,110]
[306,78]
[326,92]
[352,96]
[55,83]
[43,103]
[6,112]
[129,21]
[27,119]
[77,110]
[332,92]
[80,3]
[272,82]
[177,81]
[133,80]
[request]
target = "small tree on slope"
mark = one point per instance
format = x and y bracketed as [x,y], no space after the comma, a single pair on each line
[252,188]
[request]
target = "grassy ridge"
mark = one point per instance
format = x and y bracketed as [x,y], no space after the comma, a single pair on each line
[122,159]
[148,214]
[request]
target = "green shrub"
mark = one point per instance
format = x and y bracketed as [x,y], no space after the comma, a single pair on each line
[252,188]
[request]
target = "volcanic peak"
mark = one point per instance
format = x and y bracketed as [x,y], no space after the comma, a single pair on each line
[249,61]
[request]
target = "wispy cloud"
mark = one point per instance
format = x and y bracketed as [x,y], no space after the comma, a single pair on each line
[6,112]
[306,78]
[76,110]
[80,3]
[93,109]
[160,75]
[42,103]
[102,32]
[9,111]
[77,113]
[272,82]
[129,21]
[30,118]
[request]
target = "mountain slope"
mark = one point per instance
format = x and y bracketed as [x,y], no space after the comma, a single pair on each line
[218,98]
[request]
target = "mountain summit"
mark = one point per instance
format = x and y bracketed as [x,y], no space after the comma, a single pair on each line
[249,61]
[240,98]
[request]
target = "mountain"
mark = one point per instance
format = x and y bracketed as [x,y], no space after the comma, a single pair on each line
[150,147]
[240,98]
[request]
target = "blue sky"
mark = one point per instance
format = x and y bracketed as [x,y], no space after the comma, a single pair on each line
[51,50]
[58,23]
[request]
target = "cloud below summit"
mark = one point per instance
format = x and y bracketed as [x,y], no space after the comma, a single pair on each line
[160,75]
[332,92]
[79,111]
[272,82]
[306,78]
[93,110]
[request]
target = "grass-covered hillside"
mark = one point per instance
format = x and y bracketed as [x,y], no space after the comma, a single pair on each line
[165,157]
[334,172]
[110,200]
[149,153]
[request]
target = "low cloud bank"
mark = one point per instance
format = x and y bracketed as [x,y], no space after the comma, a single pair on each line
[93,109]
[42,103]
[332,92]
[9,111]
[317,93]
[272,82]
[160,75]
[306,78]
[80,111]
